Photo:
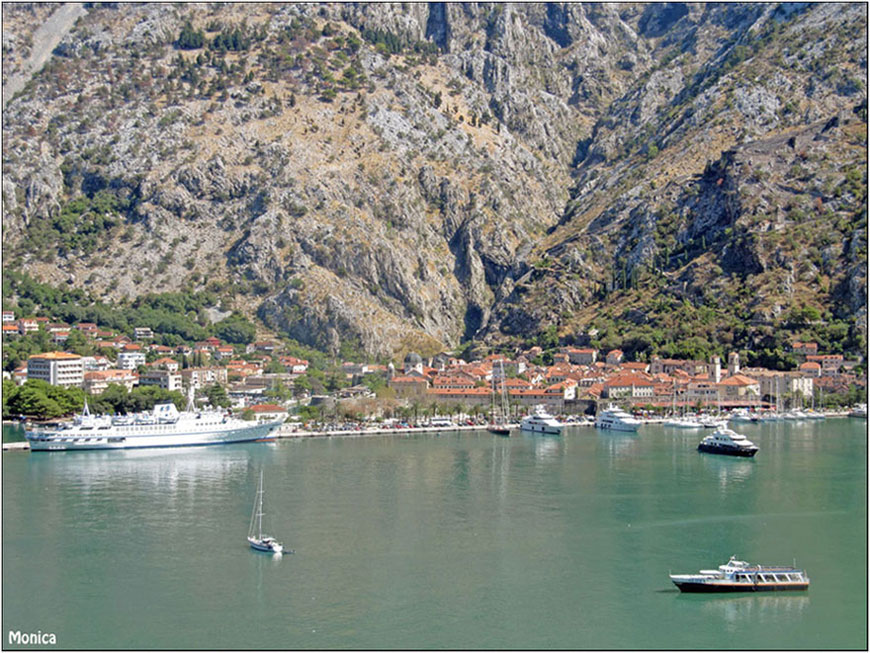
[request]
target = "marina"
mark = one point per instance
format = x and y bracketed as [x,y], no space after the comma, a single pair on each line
[434,427]
[532,542]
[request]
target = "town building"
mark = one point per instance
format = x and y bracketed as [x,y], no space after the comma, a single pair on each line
[166,363]
[142,333]
[200,377]
[739,386]
[130,360]
[163,378]
[96,382]
[831,363]
[733,363]
[670,365]
[413,363]
[773,384]
[805,348]
[27,325]
[57,368]
[19,375]
[628,385]
[223,352]
[268,412]
[410,387]
[294,365]
[582,356]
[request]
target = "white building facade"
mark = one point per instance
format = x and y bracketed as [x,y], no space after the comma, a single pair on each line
[57,368]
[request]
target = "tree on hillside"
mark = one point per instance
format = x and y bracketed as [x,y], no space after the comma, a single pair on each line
[217,395]
[190,39]
[236,329]
[9,388]
[32,401]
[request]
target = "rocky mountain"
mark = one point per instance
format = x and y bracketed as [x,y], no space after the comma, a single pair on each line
[376,178]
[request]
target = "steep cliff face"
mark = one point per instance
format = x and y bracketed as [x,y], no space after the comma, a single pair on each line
[736,185]
[381,177]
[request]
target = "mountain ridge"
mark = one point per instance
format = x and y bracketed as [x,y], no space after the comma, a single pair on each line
[398,177]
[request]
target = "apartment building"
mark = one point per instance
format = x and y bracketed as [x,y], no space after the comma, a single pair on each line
[56,367]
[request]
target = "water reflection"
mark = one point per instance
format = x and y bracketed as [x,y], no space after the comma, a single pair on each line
[730,470]
[547,447]
[614,442]
[152,469]
[736,611]
[500,466]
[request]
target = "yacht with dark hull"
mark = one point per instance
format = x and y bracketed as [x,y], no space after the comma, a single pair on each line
[727,442]
[739,576]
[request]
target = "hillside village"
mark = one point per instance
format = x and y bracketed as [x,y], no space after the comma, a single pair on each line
[262,379]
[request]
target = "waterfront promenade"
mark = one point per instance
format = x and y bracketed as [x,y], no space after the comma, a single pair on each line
[289,431]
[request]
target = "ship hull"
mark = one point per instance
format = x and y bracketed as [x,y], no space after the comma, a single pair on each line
[122,440]
[727,451]
[541,428]
[613,426]
[710,588]
[267,547]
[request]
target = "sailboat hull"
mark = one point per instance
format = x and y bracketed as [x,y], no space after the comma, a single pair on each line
[256,538]
[266,547]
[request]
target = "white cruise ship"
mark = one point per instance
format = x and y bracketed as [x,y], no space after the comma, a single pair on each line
[540,421]
[616,419]
[164,426]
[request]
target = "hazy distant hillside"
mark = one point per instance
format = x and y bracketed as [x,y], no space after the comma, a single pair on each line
[375,178]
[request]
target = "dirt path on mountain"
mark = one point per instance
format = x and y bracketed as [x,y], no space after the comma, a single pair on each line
[45,40]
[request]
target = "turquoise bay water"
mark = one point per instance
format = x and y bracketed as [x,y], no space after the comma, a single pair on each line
[465,541]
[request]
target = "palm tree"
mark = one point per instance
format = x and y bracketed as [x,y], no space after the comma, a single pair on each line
[416,406]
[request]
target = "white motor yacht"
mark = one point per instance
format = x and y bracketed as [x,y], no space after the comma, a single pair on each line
[540,421]
[616,419]
[725,441]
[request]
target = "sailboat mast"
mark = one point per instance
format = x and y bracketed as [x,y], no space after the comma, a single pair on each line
[504,402]
[260,507]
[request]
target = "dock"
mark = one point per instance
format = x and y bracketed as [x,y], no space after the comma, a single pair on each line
[16,446]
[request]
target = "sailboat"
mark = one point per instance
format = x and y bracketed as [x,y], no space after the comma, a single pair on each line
[677,421]
[499,424]
[256,538]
